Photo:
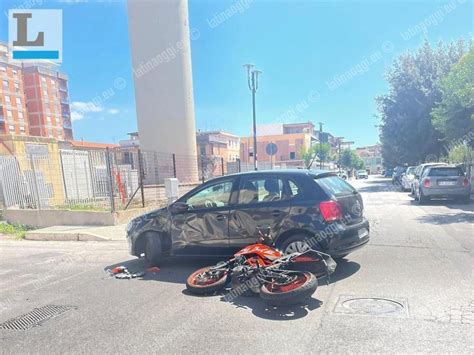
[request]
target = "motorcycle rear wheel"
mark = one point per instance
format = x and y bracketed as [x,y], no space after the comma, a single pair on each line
[292,293]
[202,281]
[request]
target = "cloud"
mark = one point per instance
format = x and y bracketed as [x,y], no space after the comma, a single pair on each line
[81,106]
[76,116]
[112,111]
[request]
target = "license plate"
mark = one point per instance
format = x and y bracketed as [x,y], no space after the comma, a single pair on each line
[447,183]
[363,233]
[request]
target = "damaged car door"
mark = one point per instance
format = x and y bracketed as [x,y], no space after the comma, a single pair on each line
[200,225]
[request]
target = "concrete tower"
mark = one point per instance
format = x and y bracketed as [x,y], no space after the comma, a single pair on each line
[161,57]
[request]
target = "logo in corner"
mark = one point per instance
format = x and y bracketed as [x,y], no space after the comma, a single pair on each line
[35,35]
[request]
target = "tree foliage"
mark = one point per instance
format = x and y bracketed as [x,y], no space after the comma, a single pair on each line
[454,114]
[350,160]
[320,151]
[460,154]
[407,132]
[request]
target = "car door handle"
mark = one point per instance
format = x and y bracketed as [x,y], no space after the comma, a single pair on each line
[276,213]
[221,217]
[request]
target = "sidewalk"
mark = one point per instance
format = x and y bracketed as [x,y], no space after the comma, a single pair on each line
[78,233]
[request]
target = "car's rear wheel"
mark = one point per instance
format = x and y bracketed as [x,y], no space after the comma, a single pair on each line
[421,198]
[298,243]
[153,250]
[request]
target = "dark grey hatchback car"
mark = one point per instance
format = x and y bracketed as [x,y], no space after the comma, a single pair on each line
[303,208]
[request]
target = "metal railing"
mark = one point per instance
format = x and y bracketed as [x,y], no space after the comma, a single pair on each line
[111,179]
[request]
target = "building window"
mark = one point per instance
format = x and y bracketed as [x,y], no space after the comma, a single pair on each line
[11,127]
[3,69]
[22,128]
[5,84]
[292,155]
[48,118]
[18,101]
[45,92]
[16,84]
[20,115]
[43,79]
[15,72]
[9,114]
[7,99]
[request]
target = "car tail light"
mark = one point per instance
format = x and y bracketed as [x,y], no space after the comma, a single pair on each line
[426,182]
[465,182]
[330,210]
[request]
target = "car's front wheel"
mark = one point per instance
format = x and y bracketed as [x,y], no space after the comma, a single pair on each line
[153,250]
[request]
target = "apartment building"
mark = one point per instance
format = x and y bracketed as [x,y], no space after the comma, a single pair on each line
[279,143]
[13,114]
[34,99]
[218,144]
[47,102]
[372,157]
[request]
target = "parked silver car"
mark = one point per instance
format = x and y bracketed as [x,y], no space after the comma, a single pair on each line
[407,178]
[420,169]
[444,182]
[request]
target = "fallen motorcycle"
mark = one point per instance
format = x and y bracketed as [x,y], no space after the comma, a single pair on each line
[281,280]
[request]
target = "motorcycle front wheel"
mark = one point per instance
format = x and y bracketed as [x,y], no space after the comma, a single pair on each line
[296,290]
[206,281]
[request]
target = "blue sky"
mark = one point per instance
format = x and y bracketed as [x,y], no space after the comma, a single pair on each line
[322,61]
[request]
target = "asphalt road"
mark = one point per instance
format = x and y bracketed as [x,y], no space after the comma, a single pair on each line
[416,273]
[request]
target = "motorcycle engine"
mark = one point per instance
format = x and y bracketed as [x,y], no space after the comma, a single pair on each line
[244,284]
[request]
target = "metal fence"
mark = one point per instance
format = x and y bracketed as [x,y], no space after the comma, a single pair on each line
[103,179]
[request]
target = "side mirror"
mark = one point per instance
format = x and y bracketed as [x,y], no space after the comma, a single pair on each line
[179,207]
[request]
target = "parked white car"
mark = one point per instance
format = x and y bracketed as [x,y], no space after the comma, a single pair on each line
[407,178]
[361,174]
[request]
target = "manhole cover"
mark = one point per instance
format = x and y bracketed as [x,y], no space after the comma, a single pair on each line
[35,317]
[372,306]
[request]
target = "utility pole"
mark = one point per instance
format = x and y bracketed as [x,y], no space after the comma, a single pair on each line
[252,80]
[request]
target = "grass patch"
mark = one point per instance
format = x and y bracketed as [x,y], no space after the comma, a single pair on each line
[17,230]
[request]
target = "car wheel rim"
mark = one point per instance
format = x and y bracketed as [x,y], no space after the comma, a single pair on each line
[298,246]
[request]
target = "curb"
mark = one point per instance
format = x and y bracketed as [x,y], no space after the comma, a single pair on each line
[72,237]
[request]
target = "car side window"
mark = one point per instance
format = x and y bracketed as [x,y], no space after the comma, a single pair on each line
[295,190]
[256,190]
[215,195]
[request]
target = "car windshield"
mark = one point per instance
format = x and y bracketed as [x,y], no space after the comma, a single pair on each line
[445,172]
[410,170]
[335,186]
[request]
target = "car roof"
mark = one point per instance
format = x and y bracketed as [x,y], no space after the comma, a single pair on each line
[432,164]
[283,172]
[444,166]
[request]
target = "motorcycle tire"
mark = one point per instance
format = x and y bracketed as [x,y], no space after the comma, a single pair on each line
[294,293]
[203,288]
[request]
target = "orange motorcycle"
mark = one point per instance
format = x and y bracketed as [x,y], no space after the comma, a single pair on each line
[281,280]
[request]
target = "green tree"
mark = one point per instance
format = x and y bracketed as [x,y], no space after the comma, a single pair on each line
[454,114]
[350,160]
[407,132]
[460,154]
[320,151]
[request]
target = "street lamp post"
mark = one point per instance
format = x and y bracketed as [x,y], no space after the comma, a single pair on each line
[252,79]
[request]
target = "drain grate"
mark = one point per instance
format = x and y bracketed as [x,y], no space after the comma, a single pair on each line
[35,317]
[372,306]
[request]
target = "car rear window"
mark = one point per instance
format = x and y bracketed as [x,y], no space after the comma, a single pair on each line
[335,185]
[445,172]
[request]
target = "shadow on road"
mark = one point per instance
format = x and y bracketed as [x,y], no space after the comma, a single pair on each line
[345,268]
[262,310]
[439,219]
